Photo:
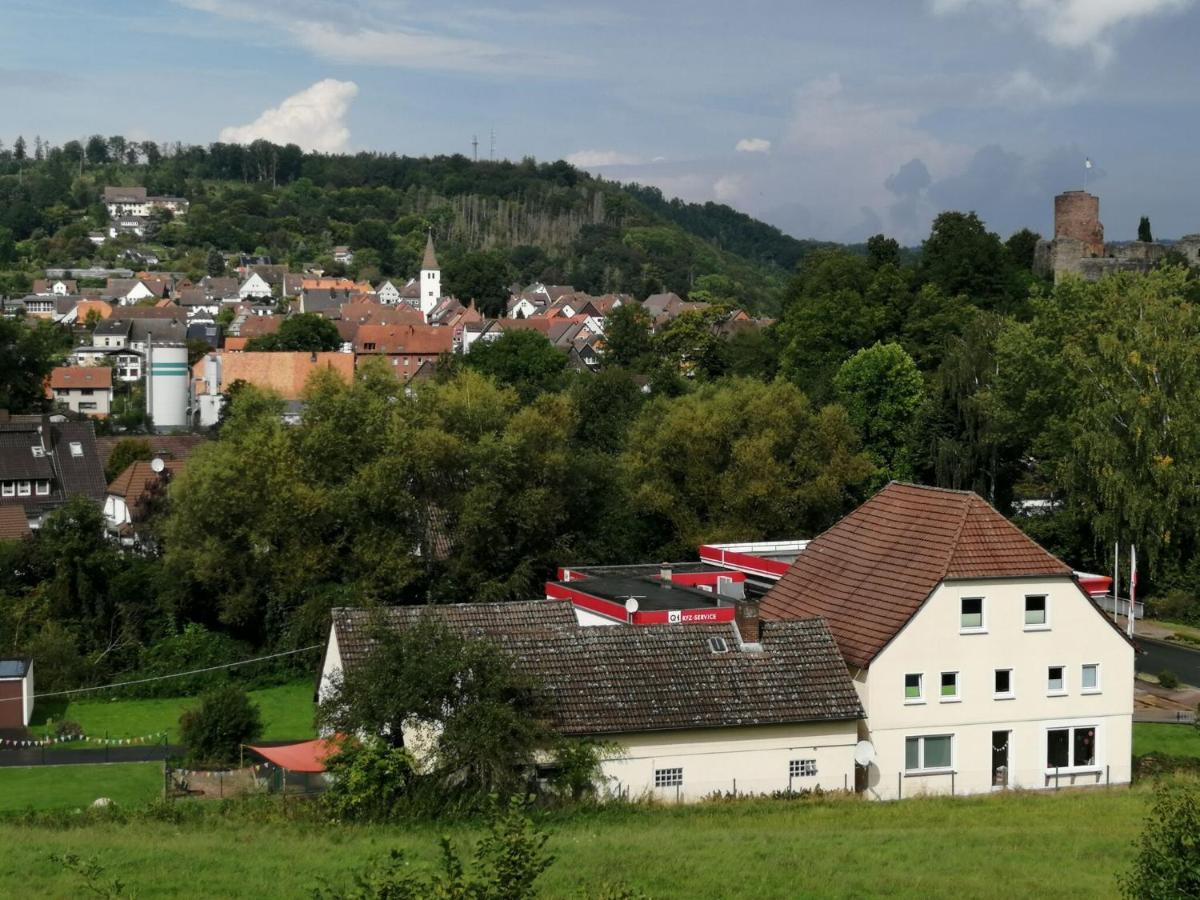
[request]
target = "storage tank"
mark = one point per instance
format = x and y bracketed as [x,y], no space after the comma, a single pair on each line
[167,383]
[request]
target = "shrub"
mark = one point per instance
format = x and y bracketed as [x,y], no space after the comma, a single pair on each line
[216,729]
[1168,679]
[578,771]
[369,781]
[1168,856]
[193,648]
[65,728]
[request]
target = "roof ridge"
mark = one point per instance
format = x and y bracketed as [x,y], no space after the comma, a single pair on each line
[958,532]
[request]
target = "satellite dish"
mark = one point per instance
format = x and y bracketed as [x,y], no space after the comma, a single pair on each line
[631,605]
[864,753]
[157,465]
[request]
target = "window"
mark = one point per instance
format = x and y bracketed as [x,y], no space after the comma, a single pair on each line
[1089,678]
[87,392]
[668,777]
[1070,747]
[43,488]
[718,645]
[1056,680]
[23,489]
[931,753]
[76,448]
[1035,612]
[38,451]
[8,489]
[971,618]
[949,687]
[1003,686]
[913,688]
[802,768]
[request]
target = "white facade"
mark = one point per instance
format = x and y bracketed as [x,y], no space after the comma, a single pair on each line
[388,294]
[522,309]
[972,702]
[431,290]
[91,401]
[254,286]
[138,292]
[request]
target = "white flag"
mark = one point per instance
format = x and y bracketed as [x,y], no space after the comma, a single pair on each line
[1132,585]
[1087,163]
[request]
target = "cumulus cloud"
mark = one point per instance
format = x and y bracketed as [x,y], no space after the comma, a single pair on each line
[753,145]
[1073,24]
[729,188]
[313,119]
[597,159]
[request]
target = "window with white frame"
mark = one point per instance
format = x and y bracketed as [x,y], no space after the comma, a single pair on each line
[43,488]
[1089,678]
[8,489]
[664,778]
[1002,685]
[1056,680]
[802,768]
[39,452]
[1036,611]
[23,489]
[76,448]
[1071,747]
[929,753]
[914,688]
[949,687]
[971,615]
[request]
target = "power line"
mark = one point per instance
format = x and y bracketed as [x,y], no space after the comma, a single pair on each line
[120,684]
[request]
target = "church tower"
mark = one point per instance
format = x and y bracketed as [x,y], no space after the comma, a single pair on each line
[431,279]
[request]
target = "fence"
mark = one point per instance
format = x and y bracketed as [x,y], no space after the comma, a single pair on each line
[32,752]
[257,778]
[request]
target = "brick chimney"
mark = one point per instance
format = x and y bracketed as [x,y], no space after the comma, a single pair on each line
[745,616]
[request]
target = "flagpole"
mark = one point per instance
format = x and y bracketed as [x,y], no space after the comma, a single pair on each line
[1132,583]
[1116,578]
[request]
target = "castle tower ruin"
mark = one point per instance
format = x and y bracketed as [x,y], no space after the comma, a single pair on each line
[1077,218]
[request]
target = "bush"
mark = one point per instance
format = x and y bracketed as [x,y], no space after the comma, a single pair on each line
[1168,856]
[1168,679]
[65,728]
[215,730]
[194,648]
[370,781]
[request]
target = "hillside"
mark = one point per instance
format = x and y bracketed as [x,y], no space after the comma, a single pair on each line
[522,221]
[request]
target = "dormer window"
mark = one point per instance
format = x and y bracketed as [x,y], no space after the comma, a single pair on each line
[39,452]
[76,448]
[718,645]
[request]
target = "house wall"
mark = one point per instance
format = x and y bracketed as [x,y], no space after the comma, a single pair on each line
[28,682]
[331,668]
[100,398]
[12,703]
[756,758]
[933,642]
[116,511]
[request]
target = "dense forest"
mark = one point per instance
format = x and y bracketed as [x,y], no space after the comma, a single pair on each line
[956,367]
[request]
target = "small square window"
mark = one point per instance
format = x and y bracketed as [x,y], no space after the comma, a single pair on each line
[668,777]
[802,768]
[76,448]
[949,686]
[1003,683]
[1056,680]
[971,618]
[38,451]
[43,488]
[1035,610]
[23,489]
[8,489]
[914,688]
[1089,679]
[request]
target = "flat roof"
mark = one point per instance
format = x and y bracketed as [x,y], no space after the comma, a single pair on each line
[13,668]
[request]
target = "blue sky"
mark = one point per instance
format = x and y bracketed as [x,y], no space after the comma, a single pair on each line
[831,120]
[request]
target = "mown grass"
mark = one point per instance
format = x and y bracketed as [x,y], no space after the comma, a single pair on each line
[287,712]
[68,787]
[1166,740]
[1070,844]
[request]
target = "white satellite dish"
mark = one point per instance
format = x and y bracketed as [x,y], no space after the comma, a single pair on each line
[864,753]
[157,464]
[631,605]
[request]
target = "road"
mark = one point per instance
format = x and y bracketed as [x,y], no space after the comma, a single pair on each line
[1156,656]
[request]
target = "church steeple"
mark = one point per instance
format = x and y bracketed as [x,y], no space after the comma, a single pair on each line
[429,263]
[431,279]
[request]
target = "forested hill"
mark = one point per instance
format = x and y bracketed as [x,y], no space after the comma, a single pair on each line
[525,220]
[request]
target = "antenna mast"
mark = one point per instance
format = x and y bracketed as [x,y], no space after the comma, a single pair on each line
[475,147]
[492,153]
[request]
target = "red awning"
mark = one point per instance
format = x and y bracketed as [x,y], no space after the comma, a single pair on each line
[306,757]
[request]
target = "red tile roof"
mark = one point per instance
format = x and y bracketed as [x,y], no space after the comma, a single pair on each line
[427,340]
[14,525]
[66,377]
[871,572]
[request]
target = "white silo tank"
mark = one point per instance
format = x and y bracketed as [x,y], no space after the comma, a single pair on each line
[169,378]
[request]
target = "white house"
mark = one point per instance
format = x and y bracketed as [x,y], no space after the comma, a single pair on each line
[692,709]
[388,293]
[521,307]
[980,661]
[254,286]
[83,389]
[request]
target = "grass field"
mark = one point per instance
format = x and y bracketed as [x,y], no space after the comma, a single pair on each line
[287,712]
[1169,740]
[1071,844]
[57,787]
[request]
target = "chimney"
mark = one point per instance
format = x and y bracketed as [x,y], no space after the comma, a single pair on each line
[745,616]
[664,575]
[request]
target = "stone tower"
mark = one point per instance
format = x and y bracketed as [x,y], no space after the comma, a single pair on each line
[1077,218]
[431,279]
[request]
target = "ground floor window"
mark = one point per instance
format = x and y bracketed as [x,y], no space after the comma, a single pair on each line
[931,752]
[668,777]
[802,768]
[1067,747]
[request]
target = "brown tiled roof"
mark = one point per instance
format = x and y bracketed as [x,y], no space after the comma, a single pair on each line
[167,446]
[429,259]
[14,525]
[255,326]
[65,377]
[652,678]
[871,572]
[285,373]
[404,339]
[139,476]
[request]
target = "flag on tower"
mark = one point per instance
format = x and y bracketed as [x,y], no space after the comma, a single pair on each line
[1087,162]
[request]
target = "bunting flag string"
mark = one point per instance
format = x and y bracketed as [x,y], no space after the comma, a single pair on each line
[18,744]
[254,767]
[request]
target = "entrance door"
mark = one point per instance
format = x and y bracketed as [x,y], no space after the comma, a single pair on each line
[1000,758]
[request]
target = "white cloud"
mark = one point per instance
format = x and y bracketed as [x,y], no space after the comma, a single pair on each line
[753,145]
[729,188]
[1023,89]
[594,159]
[313,118]
[1074,24]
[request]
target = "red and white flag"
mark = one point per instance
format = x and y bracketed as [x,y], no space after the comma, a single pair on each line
[1132,584]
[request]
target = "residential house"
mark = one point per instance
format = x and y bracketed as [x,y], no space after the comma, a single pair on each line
[388,293]
[405,347]
[980,660]
[45,463]
[691,710]
[55,286]
[136,493]
[133,203]
[343,254]
[255,286]
[14,526]
[168,447]
[83,389]
[16,694]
